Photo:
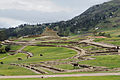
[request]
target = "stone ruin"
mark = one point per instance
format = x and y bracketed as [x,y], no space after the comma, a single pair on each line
[49,32]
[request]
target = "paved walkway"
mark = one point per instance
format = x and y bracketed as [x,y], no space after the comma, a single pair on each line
[65,75]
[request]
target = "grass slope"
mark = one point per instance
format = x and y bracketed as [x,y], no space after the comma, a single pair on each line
[14,70]
[111,61]
[49,53]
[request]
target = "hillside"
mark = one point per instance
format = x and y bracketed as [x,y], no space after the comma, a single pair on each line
[104,16]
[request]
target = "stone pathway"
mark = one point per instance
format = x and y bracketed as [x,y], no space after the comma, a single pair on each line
[64,75]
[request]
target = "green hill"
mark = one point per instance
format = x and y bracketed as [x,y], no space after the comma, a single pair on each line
[104,16]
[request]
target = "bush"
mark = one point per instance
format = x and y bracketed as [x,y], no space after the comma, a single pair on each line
[104,34]
[7,48]
[4,48]
[118,35]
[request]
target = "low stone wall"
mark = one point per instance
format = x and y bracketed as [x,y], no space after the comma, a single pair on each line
[28,53]
[30,67]
[104,52]
[12,50]
[49,67]
[60,42]
[107,54]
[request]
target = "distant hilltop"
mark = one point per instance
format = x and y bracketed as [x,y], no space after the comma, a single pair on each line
[100,16]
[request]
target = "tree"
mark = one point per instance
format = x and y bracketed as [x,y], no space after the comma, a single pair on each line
[2,35]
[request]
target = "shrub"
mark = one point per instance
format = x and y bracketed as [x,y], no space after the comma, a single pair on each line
[4,48]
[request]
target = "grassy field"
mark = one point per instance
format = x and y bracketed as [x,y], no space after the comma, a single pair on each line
[12,47]
[3,55]
[75,78]
[14,70]
[24,39]
[113,40]
[15,47]
[13,58]
[111,61]
[49,53]
[65,66]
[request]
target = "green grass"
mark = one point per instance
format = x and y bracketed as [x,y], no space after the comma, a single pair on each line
[3,55]
[49,53]
[111,61]
[24,39]
[113,40]
[13,58]
[99,39]
[65,66]
[113,31]
[75,78]
[14,70]
[15,47]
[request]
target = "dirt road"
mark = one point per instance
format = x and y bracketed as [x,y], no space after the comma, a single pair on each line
[65,75]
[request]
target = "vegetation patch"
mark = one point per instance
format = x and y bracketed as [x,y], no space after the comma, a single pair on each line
[110,61]
[6,70]
[49,53]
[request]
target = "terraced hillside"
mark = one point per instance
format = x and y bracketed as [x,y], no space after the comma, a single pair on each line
[58,56]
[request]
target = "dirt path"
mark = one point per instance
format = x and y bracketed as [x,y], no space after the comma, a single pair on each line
[98,44]
[65,75]
[79,53]
[3,58]
[27,44]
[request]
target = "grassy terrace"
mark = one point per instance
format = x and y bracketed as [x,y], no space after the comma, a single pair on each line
[14,70]
[15,47]
[49,53]
[113,40]
[24,39]
[3,55]
[110,61]
[12,47]
[75,78]
[113,31]
[7,69]
[13,59]
[65,66]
